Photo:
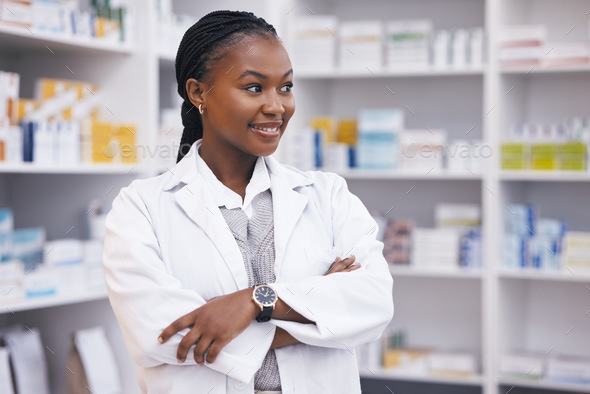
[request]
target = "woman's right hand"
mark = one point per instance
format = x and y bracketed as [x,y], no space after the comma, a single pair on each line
[346,265]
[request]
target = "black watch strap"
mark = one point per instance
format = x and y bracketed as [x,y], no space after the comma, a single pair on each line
[265,315]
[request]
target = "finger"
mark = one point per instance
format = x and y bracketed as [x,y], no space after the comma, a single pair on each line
[349,260]
[176,326]
[343,264]
[332,266]
[214,350]
[353,267]
[201,349]
[189,340]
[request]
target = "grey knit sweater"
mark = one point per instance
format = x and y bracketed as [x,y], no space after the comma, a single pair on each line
[255,238]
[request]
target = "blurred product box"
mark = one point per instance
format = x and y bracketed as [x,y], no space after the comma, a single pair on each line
[6,230]
[522,45]
[435,248]
[315,42]
[458,216]
[407,360]
[27,246]
[378,138]
[16,12]
[567,53]
[575,370]
[397,242]
[361,45]
[522,366]
[452,365]
[422,150]
[515,156]
[407,43]
[576,251]
[12,274]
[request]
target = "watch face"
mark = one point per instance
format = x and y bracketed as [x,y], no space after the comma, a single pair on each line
[265,295]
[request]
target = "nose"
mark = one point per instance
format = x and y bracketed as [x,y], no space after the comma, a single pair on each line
[273,104]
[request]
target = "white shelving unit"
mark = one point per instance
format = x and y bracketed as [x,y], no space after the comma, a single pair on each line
[57,197]
[20,305]
[488,312]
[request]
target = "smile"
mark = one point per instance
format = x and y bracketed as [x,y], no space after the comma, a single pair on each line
[265,129]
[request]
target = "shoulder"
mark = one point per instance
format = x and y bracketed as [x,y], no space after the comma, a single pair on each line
[141,193]
[322,183]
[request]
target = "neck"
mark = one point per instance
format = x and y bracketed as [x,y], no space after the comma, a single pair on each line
[233,168]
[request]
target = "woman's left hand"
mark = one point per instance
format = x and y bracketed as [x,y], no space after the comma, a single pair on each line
[213,325]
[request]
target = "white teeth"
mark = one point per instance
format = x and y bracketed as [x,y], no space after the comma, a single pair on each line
[265,129]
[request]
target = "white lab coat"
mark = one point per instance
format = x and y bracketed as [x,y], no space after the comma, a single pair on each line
[168,249]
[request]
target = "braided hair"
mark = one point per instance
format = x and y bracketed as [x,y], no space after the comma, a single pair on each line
[201,46]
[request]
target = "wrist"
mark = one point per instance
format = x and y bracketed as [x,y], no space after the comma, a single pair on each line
[251,305]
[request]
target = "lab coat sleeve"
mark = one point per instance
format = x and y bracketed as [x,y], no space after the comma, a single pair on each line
[146,298]
[348,308]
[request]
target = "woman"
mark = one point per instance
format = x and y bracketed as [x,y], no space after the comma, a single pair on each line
[228,273]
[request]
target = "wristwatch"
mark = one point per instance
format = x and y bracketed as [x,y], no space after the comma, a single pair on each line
[265,297]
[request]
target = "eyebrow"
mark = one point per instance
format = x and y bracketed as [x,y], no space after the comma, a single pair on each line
[262,76]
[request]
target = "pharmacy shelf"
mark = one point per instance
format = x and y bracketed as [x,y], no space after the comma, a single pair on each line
[84,169]
[413,175]
[545,176]
[540,69]
[379,373]
[23,38]
[375,73]
[450,273]
[566,275]
[545,385]
[19,305]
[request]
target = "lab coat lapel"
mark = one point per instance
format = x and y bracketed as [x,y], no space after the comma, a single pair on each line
[288,205]
[194,199]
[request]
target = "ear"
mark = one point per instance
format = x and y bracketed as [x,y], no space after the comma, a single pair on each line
[196,92]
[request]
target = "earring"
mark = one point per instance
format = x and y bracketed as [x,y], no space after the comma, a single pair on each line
[201,110]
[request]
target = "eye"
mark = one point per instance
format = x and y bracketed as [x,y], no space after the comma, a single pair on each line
[254,88]
[286,88]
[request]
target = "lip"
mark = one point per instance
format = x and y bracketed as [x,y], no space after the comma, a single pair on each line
[257,128]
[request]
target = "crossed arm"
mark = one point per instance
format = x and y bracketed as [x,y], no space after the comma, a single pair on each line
[211,329]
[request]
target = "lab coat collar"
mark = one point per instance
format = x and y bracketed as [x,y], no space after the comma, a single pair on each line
[196,201]
[186,171]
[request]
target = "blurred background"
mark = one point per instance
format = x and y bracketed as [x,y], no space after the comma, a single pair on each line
[463,125]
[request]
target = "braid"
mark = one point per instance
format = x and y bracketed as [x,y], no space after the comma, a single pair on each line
[200,47]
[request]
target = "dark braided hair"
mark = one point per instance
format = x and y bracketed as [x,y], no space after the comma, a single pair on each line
[200,47]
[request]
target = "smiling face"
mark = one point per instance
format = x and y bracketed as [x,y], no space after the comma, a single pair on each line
[247,99]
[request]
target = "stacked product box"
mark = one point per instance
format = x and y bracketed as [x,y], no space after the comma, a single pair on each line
[567,53]
[466,220]
[559,368]
[397,241]
[407,43]
[576,251]
[31,267]
[531,242]
[105,142]
[9,91]
[422,150]
[522,366]
[361,45]
[315,42]
[378,138]
[522,45]
[65,18]
[57,126]
[435,248]
[547,147]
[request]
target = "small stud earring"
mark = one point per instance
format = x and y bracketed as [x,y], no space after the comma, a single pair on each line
[201,110]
